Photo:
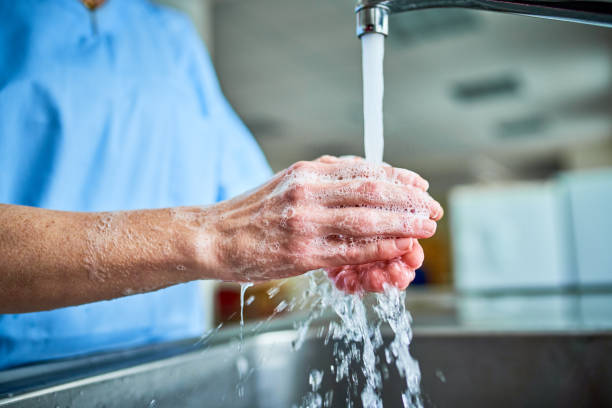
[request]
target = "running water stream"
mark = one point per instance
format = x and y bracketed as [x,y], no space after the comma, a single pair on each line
[242,363]
[372,55]
[356,337]
[243,289]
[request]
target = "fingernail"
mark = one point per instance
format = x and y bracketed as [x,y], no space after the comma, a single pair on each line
[429,227]
[404,244]
[437,211]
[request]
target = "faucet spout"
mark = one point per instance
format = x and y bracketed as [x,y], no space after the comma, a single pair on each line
[372,15]
[372,19]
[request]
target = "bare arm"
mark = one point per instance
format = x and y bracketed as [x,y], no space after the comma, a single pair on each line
[52,259]
[321,214]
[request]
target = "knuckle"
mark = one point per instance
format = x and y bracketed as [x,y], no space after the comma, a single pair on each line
[370,187]
[367,225]
[296,193]
[327,159]
[302,165]
[392,173]
[380,249]
[296,222]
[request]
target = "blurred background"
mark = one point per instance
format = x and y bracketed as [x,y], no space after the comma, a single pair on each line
[508,117]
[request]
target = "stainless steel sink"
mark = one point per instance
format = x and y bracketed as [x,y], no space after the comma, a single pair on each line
[459,369]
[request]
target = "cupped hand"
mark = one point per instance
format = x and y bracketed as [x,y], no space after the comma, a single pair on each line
[371,277]
[321,214]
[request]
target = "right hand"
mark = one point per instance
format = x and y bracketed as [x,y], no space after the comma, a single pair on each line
[319,214]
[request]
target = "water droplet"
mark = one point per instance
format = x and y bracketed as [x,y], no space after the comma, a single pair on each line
[440,375]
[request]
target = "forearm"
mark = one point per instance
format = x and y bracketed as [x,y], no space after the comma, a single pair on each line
[322,214]
[53,259]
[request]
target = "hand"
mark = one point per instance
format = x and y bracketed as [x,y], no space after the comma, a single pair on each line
[371,277]
[318,214]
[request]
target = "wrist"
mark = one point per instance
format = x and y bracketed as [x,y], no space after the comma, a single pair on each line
[197,237]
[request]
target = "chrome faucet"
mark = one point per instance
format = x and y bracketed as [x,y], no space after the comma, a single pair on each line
[373,15]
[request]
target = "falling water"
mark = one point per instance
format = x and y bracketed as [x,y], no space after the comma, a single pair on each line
[390,306]
[356,338]
[242,363]
[243,288]
[357,341]
[372,54]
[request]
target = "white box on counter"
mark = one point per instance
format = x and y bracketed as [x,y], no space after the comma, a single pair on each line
[589,197]
[512,236]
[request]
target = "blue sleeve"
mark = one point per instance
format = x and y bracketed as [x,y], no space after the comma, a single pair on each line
[241,163]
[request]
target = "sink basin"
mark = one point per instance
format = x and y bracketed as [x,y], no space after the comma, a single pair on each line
[459,369]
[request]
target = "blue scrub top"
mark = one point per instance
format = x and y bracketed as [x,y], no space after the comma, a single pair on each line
[131,117]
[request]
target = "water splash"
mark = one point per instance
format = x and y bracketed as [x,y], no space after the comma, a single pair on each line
[242,365]
[391,308]
[208,334]
[356,340]
[313,399]
[273,291]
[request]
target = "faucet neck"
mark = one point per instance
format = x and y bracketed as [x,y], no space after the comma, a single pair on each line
[372,15]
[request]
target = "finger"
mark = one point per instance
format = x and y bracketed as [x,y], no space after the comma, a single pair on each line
[377,194]
[436,212]
[333,159]
[367,251]
[374,278]
[415,257]
[333,272]
[360,169]
[348,281]
[372,193]
[369,222]
[327,159]
[351,158]
[353,167]
[400,275]
[406,177]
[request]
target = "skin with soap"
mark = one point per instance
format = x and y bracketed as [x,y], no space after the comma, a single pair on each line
[322,214]
[372,277]
[328,213]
